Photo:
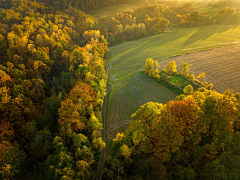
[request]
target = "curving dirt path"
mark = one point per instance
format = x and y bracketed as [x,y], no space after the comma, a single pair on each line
[110,67]
[103,152]
[104,112]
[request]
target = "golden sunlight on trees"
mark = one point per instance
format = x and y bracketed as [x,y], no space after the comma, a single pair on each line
[185,69]
[183,135]
[171,67]
[152,68]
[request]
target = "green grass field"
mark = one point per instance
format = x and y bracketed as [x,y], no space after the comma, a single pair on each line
[129,57]
[112,10]
[208,10]
[127,97]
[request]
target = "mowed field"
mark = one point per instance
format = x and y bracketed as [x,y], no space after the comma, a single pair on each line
[132,89]
[112,10]
[126,98]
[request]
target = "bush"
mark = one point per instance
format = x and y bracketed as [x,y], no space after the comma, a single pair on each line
[188,90]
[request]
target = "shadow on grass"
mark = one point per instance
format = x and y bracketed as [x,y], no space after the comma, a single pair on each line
[204,32]
[133,54]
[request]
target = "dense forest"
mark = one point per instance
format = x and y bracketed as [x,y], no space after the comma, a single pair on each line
[53,84]
[51,92]
[196,136]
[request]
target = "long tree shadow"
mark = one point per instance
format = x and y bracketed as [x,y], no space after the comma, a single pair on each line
[133,55]
[204,32]
[139,49]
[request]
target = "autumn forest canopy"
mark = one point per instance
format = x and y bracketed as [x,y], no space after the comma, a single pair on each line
[54,87]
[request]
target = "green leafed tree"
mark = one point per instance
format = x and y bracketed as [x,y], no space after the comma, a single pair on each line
[188,90]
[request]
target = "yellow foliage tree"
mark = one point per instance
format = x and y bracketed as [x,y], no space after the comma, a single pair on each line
[149,65]
[171,67]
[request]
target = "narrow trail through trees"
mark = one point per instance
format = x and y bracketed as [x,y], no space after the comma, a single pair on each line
[103,152]
[104,112]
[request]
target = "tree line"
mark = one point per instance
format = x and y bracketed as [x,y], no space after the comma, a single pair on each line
[227,15]
[154,70]
[149,19]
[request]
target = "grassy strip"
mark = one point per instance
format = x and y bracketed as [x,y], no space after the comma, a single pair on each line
[170,86]
[180,81]
[176,83]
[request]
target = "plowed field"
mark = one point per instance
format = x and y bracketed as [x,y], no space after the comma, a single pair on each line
[221,65]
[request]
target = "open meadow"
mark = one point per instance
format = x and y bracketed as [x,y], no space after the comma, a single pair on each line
[132,89]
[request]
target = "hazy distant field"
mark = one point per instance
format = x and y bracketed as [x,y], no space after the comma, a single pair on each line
[126,7]
[208,10]
[128,57]
[112,10]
